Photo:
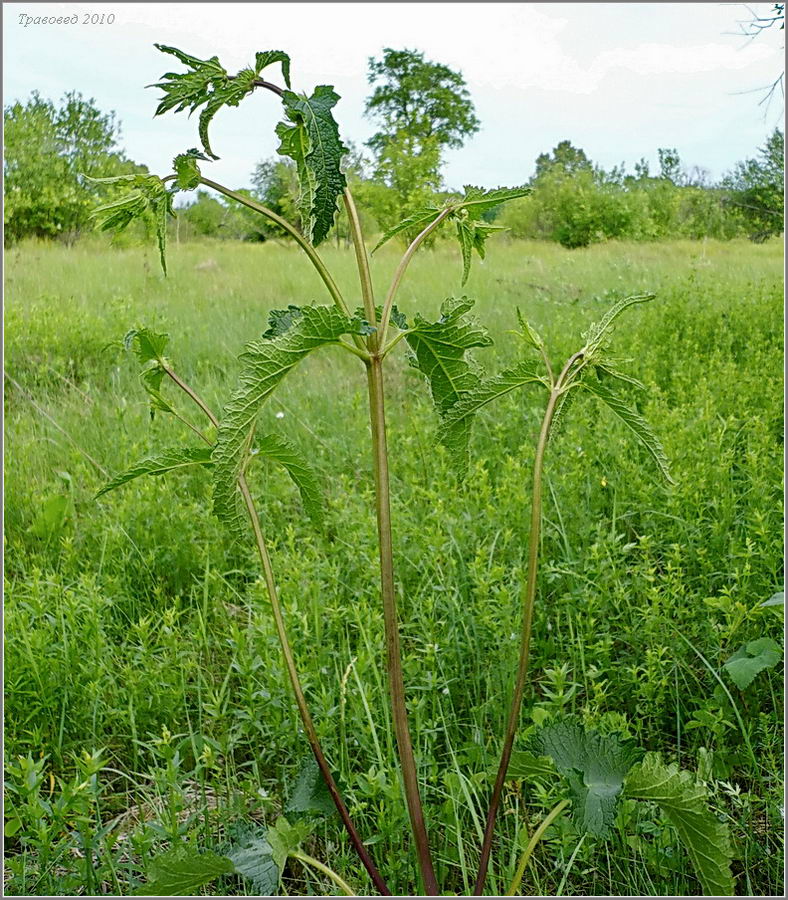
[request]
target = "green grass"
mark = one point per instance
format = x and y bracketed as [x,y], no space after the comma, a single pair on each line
[135,628]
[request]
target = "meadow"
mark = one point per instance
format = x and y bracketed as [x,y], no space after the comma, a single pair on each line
[146,701]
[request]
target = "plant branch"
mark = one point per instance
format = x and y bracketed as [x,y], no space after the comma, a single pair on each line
[287,652]
[537,836]
[393,651]
[302,242]
[529,596]
[403,265]
[362,259]
[259,82]
[322,867]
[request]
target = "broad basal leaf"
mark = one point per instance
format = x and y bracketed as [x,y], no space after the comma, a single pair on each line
[310,794]
[279,449]
[171,460]
[684,802]
[596,334]
[634,421]
[594,766]
[454,431]
[148,197]
[180,872]
[265,364]
[751,659]
[312,141]
[253,857]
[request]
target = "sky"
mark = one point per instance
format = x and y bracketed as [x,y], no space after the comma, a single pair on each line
[617,79]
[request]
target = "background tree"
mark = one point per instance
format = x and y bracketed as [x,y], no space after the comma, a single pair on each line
[48,150]
[757,188]
[423,108]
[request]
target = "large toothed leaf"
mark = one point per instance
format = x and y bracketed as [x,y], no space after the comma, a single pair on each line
[311,139]
[171,460]
[455,427]
[418,220]
[684,802]
[597,333]
[310,795]
[182,871]
[148,345]
[634,421]
[280,450]
[594,766]
[267,57]
[149,197]
[266,363]
[439,350]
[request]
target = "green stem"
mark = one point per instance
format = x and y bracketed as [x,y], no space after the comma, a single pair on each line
[362,260]
[529,595]
[322,867]
[287,653]
[403,265]
[537,836]
[393,650]
[302,242]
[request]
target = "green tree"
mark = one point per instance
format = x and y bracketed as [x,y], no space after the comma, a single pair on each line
[423,108]
[757,188]
[48,151]
[565,159]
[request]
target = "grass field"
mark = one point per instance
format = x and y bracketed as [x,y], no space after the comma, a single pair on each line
[145,697]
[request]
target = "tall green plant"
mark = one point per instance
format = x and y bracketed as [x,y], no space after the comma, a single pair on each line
[439,349]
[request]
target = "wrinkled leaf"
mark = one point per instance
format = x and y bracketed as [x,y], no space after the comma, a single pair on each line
[187,171]
[265,364]
[312,141]
[171,460]
[181,871]
[684,802]
[310,794]
[751,659]
[594,766]
[267,57]
[417,220]
[253,857]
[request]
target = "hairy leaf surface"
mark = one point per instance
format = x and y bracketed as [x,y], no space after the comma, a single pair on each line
[454,431]
[253,857]
[684,802]
[312,141]
[170,460]
[266,363]
[594,766]
[310,794]
[187,172]
[634,421]
[181,871]
[439,352]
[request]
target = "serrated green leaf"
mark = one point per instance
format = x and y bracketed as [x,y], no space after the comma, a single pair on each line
[265,58]
[529,333]
[253,858]
[285,838]
[170,460]
[419,219]
[596,334]
[634,421]
[146,344]
[684,802]
[51,517]
[281,320]
[310,794]
[180,872]
[454,430]
[594,766]
[313,142]
[752,658]
[279,449]
[479,200]
[266,363]
[620,376]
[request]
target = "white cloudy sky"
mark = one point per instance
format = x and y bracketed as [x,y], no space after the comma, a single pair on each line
[618,79]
